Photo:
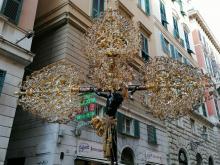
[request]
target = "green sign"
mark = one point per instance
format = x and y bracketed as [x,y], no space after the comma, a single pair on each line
[87,107]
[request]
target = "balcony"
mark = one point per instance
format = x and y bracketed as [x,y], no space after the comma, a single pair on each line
[9,35]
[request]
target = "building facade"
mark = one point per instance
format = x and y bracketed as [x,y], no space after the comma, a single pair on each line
[59,28]
[165,30]
[191,139]
[16,28]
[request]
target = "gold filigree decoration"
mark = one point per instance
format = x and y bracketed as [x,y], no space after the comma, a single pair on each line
[51,93]
[112,41]
[174,88]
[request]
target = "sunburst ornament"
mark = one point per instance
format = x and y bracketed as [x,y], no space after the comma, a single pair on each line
[112,41]
[174,88]
[51,93]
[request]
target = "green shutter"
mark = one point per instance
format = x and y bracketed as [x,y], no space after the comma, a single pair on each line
[172,51]
[2,79]
[136,128]
[12,9]
[147,7]
[152,134]
[97,8]
[187,40]
[176,29]
[144,48]
[163,43]
[120,120]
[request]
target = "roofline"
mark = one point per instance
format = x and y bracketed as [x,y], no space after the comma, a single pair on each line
[194,14]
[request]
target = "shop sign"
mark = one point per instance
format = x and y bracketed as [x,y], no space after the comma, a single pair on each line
[155,157]
[88,106]
[90,149]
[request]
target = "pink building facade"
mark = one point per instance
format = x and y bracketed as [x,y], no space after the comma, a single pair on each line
[207,52]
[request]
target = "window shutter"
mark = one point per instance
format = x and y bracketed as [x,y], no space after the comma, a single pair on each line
[172,51]
[136,128]
[147,7]
[97,8]
[120,120]
[12,9]
[2,79]
[144,48]
[176,29]
[163,43]
[152,134]
[187,40]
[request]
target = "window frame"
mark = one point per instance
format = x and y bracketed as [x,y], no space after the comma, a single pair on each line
[163,15]
[98,11]
[146,7]
[18,14]
[165,45]
[145,50]
[152,139]
[2,79]
[176,28]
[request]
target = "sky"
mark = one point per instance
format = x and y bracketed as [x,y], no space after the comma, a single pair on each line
[210,11]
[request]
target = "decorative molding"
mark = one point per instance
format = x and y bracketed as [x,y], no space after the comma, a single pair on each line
[194,14]
[15,52]
[125,9]
[143,28]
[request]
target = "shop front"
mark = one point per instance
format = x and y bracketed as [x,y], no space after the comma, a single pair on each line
[90,153]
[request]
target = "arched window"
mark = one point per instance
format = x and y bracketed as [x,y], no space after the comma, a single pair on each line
[182,157]
[198,159]
[211,162]
[127,156]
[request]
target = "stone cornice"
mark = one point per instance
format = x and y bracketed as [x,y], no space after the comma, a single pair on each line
[65,12]
[15,52]
[194,14]
[202,118]
[171,38]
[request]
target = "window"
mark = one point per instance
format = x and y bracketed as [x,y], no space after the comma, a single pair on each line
[200,37]
[182,157]
[2,79]
[216,107]
[163,15]
[193,126]
[100,110]
[12,9]
[127,125]
[145,6]
[172,49]
[97,8]
[152,134]
[165,45]
[144,48]
[175,27]
[187,40]
[179,57]
[202,110]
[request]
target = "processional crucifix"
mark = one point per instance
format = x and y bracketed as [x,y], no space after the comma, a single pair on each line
[112,44]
